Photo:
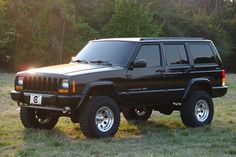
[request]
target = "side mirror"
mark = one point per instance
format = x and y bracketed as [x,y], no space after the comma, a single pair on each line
[140,63]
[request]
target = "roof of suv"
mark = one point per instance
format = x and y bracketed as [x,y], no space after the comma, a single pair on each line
[148,39]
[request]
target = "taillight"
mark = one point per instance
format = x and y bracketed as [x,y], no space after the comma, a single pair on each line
[223,77]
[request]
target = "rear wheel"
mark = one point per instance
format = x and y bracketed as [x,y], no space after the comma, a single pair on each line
[198,109]
[100,117]
[140,114]
[38,119]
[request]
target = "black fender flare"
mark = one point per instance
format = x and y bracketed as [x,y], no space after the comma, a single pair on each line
[87,88]
[195,81]
[91,85]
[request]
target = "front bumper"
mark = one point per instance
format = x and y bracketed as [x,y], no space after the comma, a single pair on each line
[56,102]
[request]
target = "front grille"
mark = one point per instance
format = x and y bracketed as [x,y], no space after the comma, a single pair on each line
[36,83]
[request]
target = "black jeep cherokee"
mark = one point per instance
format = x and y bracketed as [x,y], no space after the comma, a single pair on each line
[132,75]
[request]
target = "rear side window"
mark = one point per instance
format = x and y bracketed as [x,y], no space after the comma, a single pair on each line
[151,53]
[175,54]
[202,53]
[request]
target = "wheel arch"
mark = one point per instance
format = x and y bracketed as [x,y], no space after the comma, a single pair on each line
[198,84]
[101,88]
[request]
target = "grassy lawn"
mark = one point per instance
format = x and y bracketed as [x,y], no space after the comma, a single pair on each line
[160,136]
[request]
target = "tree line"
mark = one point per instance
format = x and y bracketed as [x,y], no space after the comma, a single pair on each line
[39,33]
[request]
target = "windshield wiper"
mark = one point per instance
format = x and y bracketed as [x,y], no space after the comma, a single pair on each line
[100,62]
[80,61]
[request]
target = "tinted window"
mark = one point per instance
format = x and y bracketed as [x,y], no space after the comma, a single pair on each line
[202,53]
[151,53]
[116,52]
[175,54]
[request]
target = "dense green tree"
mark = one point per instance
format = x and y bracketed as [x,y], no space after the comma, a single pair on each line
[130,20]
[47,32]
[192,22]
[95,12]
[231,59]
[7,38]
[38,33]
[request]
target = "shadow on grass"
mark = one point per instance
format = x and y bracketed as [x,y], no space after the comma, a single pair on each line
[61,137]
[127,130]
[69,137]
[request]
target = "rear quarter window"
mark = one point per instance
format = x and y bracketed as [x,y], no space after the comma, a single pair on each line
[202,53]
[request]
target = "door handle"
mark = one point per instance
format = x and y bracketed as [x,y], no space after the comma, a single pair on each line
[159,73]
[160,70]
[188,70]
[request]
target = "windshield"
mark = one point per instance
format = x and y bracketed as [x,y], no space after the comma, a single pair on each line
[113,52]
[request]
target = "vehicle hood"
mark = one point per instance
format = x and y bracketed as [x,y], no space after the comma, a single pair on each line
[67,69]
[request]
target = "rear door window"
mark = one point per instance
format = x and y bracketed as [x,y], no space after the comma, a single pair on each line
[202,53]
[175,54]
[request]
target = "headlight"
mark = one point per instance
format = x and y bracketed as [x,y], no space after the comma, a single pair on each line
[20,81]
[65,84]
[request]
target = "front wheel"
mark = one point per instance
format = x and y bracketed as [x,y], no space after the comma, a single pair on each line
[138,114]
[38,119]
[198,109]
[100,117]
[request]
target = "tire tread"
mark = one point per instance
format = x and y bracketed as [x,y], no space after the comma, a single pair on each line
[187,109]
[86,119]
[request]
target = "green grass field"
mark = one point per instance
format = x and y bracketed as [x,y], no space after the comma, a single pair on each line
[160,136]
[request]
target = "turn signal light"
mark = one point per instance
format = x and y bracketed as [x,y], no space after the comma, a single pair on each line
[63,90]
[19,88]
[73,86]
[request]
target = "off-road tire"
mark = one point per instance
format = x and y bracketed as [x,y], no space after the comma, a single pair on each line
[187,111]
[29,120]
[131,115]
[88,114]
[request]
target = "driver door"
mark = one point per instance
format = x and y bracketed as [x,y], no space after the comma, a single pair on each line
[145,84]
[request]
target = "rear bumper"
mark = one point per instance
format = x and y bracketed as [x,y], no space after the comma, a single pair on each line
[54,102]
[219,91]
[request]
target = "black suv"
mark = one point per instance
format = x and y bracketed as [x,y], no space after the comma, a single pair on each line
[130,75]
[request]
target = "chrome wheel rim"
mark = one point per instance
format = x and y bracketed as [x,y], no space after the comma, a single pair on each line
[104,119]
[201,110]
[140,112]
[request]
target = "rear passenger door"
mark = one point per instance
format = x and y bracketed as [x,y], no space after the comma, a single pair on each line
[178,69]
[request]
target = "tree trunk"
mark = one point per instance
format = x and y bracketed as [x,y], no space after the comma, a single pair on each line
[62,41]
